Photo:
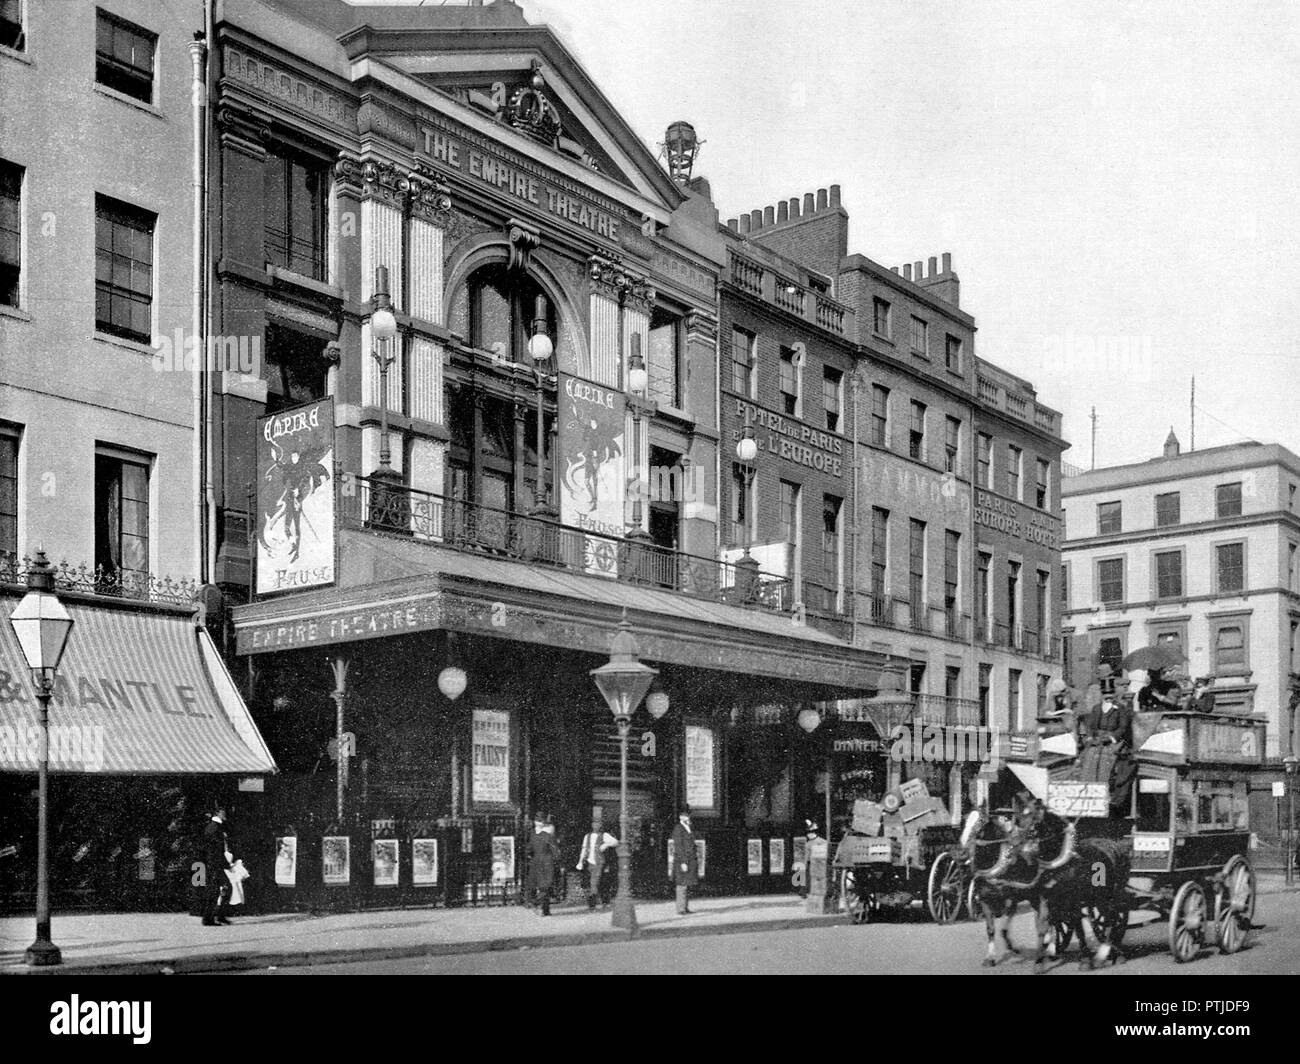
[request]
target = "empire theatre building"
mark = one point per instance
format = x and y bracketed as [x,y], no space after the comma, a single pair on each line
[489,320]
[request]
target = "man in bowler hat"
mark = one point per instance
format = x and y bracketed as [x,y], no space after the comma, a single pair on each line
[542,856]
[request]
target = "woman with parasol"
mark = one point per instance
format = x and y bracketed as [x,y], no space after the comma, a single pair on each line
[1158,694]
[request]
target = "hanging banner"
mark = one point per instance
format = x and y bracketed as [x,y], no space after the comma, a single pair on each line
[295,498]
[491,779]
[592,467]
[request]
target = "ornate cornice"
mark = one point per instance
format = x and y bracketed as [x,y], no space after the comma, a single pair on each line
[289,90]
[429,195]
[384,182]
[701,328]
[611,278]
[243,131]
[347,174]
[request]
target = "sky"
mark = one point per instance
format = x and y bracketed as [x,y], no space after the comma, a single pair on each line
[1116,182]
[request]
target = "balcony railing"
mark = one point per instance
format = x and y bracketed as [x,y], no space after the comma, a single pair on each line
[746,274]
[486,530]
[949,710]
[121,583]
[1017,637]
[757,279]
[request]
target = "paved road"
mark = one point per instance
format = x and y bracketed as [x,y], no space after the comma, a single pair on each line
[913,947]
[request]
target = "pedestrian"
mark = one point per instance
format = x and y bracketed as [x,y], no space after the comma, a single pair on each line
[686,864]
[216,859]
[542,856]
[811,833]
[593,859]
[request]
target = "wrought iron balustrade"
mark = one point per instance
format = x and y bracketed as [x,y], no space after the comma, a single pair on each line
[97,580]
[949,710]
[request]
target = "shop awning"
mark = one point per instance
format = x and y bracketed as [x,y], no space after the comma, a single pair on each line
[139,691]
[402,587]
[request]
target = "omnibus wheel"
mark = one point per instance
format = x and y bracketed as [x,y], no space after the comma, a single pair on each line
[1187,919]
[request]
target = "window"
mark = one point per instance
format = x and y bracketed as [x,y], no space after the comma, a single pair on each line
[1169,574]
[11,232]
[1065,587]
[295,371]
[11,25]
[1168,509]
[124,56]
[951,444]
[1292,575]
[1169,637]
[880,316]
[1013,698]
[742,362]
[1110,580]
[832,397]
[1230,568]
[1015,457]
[788,515]
[1290,500]
[664,358]
[1042,601]
[984,460]
[1041,701]
[1110,651]
[293,191]
[952,681]
[916,437]
[985,690]
[1109,518]
[1294,663]
[1041,490]
[1222,804]
[879,560]
[1230,649]
[121,515]
[1013,595]
[789,383]
[951,569]
[123,269]
[952,353]
[880,415]
[984,563]
[831,569]
[920,336]
[8,492]
[916,566]
[1227,500]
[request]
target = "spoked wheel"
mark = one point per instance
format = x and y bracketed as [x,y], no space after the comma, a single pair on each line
[1234,904]
[972,906]
[859,898]
[946,888]
[1187,919]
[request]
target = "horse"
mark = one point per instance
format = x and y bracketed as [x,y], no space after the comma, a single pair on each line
[1030,854]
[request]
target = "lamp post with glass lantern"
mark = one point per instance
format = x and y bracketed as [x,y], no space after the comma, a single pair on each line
[1291,763]
[385,479]
[540,349]
[41,625]
[747,566]
[623,681]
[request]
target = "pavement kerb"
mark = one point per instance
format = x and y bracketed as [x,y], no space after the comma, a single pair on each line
[237,962]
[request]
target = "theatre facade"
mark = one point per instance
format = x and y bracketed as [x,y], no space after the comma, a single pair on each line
[427,540]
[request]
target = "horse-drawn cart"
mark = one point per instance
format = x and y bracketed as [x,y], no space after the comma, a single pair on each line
[900,852]
[1187,835]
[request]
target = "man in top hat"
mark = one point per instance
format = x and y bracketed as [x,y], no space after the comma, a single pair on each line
[542,856]
[217,858]
[686,864]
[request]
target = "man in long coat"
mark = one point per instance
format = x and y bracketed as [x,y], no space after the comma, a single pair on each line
[686,865]
[216,859]
[1108,731]
[543,852]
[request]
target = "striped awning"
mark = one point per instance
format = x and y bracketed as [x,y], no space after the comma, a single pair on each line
[137,692]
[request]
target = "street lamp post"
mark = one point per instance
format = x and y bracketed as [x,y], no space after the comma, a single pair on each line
[1290,763]
[42,625]
[747,566]
[540,349]
[623,681]
[383,330]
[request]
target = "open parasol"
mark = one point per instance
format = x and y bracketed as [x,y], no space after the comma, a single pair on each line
[1162,656]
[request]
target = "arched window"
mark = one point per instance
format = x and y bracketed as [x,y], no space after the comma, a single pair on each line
[495,309]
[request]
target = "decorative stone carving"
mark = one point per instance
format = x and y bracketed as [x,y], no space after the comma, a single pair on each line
[701,328]
[430,195]
[611,277]
[243,132]
[531,112]
[384,181]
[347,174]
[524,239]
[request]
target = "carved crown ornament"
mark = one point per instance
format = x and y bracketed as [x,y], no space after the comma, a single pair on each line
[611,278]
[530,111]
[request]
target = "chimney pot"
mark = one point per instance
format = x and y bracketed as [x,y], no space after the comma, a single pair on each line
[783,211]
[907,272]
[755,220]
[835,195]
[920,271]
[768,217]
[947,262]
[808,207]
[934,266]
[744,223]
[821,199]
[894,269]
[794,206]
